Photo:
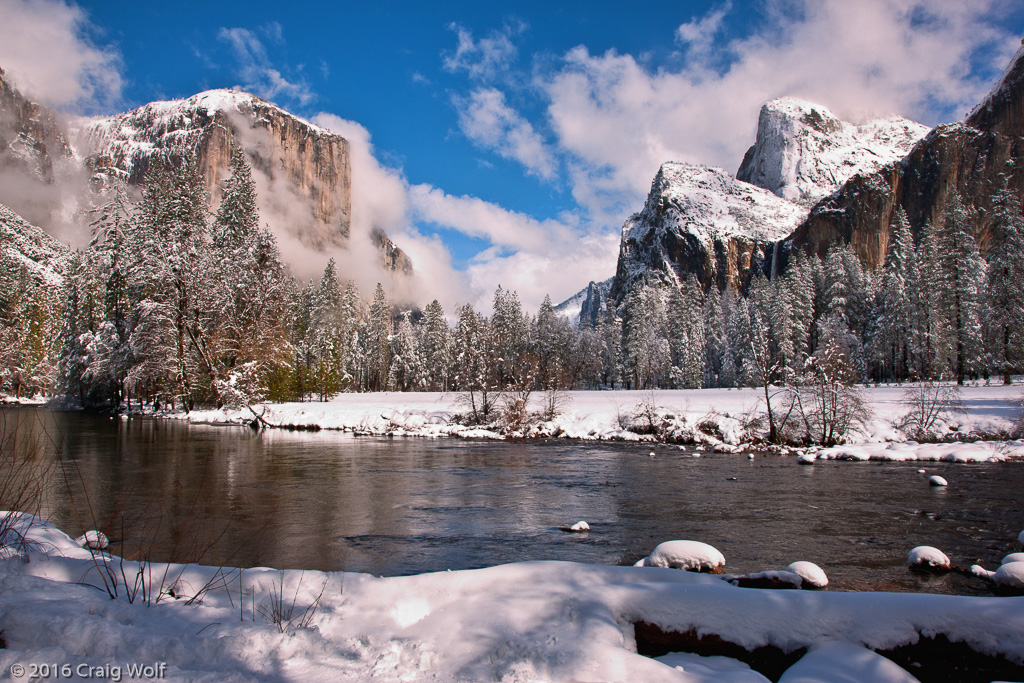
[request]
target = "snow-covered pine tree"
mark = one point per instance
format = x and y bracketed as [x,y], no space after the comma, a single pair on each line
[1005,291]
[896,319]
[437,345]
[961,283]
[379,341]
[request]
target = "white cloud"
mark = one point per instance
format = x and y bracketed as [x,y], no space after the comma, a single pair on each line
[255,68]
[46,52]
[617,121]
[699,34]
[488,121]
[486,58]
[478,218]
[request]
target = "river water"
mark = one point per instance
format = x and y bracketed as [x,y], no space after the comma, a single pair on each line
[167,490]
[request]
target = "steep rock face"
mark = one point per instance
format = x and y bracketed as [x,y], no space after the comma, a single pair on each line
[303,172]
[952,159]
[975,160]
[23,245]
[700,220]
[31,139]
[586,306]
[1002,110]
[803,152]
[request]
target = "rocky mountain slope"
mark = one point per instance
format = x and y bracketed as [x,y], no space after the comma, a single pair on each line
[586,305]
[836,182]
[702,221]
[25,246]
[804,152]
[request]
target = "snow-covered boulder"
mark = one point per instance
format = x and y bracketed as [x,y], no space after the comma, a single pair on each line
[686,555]
[1010,575]
[928,558]
[1020,538]
[578,527]
[844,662]
[1013,557]
[93,540]
[812,574]
[936,480]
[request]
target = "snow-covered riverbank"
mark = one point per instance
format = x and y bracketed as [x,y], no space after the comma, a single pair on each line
[533,621]
[715,418]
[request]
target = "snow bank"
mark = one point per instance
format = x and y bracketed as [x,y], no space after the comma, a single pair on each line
[717,418]
[517,622]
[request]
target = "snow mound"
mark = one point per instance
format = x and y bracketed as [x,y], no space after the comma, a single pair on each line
[1013,557]
[712,668]
[936,480]
[843,662]
[685,555]
[812,574]
[927,557]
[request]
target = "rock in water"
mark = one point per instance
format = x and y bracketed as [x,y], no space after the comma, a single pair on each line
[812,574]
[686,555]
[927,558]
[936,480]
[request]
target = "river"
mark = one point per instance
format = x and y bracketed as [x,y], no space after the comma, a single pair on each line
[168,490]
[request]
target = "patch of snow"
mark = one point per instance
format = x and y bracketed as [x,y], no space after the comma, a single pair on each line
[524,621]
[1010,574]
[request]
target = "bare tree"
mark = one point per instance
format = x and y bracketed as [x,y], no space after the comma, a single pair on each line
[929,403]
[831,406]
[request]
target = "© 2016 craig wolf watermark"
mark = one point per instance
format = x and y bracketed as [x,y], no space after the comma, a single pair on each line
[102,672]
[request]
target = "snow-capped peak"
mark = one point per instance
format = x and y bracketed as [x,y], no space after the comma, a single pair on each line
[804,152]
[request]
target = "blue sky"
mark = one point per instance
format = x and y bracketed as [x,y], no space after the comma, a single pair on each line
[506,143]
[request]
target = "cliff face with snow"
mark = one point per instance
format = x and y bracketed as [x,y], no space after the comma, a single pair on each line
[804,152]
[25,246]
[700,220]
[974,159]
[302,171]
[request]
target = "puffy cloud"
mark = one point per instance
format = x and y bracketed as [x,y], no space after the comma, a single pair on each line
[488,121]
[47,53]
[255,67]
[478,218]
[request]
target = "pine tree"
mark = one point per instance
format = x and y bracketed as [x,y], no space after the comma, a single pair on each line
[379,341]
[1005,291]
[436,347]
[962,279]
[895,308]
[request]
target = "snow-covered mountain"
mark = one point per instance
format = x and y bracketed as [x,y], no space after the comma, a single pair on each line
[702,221]
[586,305]
[23,245]
[302,171]
[804,152]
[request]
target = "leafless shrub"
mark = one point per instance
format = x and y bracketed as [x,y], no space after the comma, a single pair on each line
[281,613]
[928,404]
[825,395]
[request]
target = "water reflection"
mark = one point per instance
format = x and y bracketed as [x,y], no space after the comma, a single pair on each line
[326,500]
